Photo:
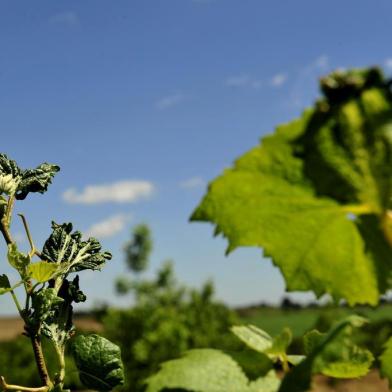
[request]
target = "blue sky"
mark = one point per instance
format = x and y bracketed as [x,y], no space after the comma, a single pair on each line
[146,101]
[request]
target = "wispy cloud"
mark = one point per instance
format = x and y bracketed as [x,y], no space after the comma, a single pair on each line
[108,227]
[127,191]
[170,101]
[307,75]
[238,81]
[388,63]
[278,80]
[247,81]
[193,183]
[66,18]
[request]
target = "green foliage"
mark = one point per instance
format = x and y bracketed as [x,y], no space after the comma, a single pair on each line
[98,361]
[386,361]
[18,260]
[167,319]
[329,353]
[138,249]
[49,294]
[205,370]
[18,363]
[316,194]
[5,285]
[259,340]
[326,354]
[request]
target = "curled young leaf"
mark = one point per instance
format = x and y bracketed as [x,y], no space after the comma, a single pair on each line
[17,259]
[44,304]
[18,182]
[67,248]
[36,180]
[5,285]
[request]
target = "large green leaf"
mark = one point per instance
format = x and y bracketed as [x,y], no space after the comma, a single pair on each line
[268,383]
[67,248]
[98,361]
[208,370]
[316,194]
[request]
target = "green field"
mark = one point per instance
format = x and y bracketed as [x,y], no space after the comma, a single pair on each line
[273,320]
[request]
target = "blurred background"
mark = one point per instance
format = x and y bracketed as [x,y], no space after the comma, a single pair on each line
[141,104]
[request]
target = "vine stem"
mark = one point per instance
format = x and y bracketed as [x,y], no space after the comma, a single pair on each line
[35,339]
[17,304]
[27,230]
[10,387]
[60,356]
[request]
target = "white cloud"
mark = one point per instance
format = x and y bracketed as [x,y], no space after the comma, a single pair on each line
[278,80]
[256,84]
[247,81]
[170,101]
[321,62]
[388,63]
[127,191]
[238,81]
[192,183]
[67,18]
[108,227]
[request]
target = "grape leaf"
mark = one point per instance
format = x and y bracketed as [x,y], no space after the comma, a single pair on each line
[200,370]
[98,361]
[36,180]
[19,182]
[42,271]
[386,361]
[340,359]
[5,285]
[319,347]
[269,383]
[44,302]
[67,248]
[316,194]
[17,259]
[254,337]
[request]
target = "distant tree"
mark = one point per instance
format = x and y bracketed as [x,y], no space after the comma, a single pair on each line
[287,303]
[167,317]
[138,249]
[137,254]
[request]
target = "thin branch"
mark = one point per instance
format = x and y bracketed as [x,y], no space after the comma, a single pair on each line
[27,230]
[10,387]
[39,358]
